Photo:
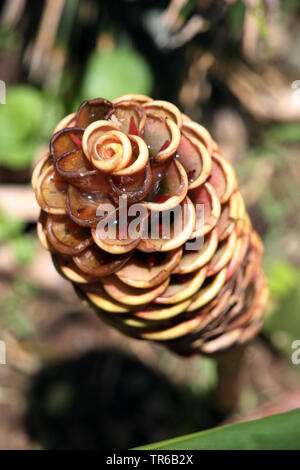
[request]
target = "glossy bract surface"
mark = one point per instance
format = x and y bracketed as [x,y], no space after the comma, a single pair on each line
[146,152]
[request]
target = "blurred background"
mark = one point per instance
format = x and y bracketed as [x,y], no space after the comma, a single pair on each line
[70,381]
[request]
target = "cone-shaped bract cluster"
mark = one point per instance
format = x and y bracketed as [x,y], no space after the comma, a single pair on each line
[201,299]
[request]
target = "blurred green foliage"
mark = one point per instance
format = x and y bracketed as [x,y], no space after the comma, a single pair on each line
[12,231]
[187,8]
[9,39]
[26,121]
[272,166]
[276,151]
[12,308]
[116,72]
[24,246]
[9,228]
[284,133]
[282,325]
[235,18]
[283,278]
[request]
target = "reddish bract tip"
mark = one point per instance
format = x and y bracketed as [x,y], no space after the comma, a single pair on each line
[190,174]
[59,181]
[165,145]
[132,127]
[72,227]
[150,260]
[76,141]
[161,198]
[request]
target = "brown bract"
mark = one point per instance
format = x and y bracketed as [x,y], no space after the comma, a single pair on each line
[197,284]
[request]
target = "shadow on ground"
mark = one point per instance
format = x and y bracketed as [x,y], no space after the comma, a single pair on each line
[108,400]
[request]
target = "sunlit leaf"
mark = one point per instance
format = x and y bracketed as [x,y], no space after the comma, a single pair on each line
[114,73]
[21,114]
[26,120]
[272,433]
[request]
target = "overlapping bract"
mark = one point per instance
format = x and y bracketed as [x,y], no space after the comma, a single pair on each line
[146,151]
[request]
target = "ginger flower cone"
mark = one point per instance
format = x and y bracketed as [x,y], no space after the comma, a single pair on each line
[190,277]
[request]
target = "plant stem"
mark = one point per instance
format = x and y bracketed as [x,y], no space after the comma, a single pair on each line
[228,388]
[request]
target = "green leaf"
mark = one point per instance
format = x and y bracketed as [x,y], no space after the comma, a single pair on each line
[278,432]
[114,73]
